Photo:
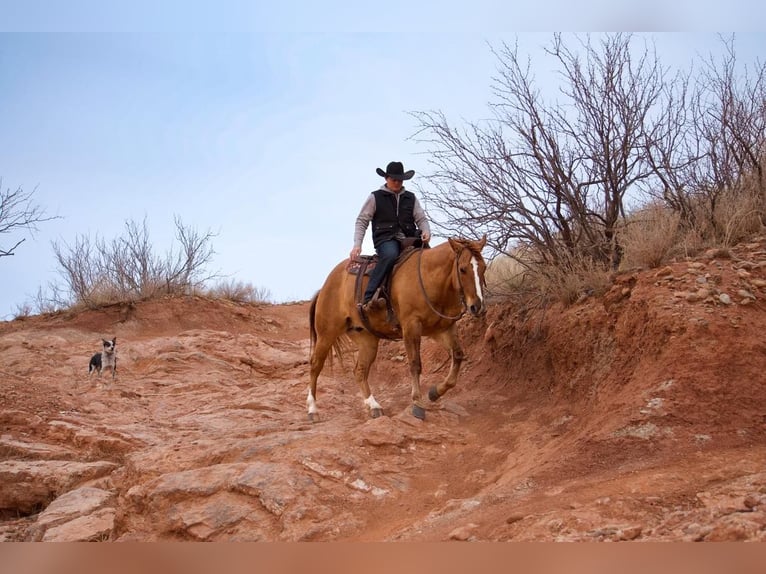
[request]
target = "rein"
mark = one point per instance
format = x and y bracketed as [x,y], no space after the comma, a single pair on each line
[425,295]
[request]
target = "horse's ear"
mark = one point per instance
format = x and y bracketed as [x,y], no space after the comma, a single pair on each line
[456,245]
[483,241]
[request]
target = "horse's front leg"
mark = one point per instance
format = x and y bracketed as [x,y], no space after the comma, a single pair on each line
[412,346]
[448,339]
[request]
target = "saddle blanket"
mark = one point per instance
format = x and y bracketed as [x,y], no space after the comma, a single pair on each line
[354,265]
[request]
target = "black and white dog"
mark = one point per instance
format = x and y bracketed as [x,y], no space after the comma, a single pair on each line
[106,359]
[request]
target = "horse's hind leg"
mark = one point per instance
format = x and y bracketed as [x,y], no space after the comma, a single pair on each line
[448,339]
[318,356]
[368,350]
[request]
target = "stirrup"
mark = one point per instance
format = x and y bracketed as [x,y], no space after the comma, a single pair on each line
[375,304]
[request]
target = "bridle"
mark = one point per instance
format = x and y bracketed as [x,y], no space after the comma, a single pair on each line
[460,286]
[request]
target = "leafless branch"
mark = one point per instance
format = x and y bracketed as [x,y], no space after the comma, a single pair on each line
[18,212]
[551,176]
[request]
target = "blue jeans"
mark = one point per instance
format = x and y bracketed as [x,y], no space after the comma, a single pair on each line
[387,251]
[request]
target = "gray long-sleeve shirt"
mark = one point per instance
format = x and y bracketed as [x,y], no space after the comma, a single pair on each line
[368,211]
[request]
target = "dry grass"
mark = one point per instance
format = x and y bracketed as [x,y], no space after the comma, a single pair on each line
[531,283]
[238,291]
[650,237]
[505,275]
[580,278]
[738,215]
[655,235]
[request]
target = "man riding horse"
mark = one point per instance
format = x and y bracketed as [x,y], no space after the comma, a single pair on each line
[395,213]
[430,291]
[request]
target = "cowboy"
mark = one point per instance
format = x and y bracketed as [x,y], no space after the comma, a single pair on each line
[395,214]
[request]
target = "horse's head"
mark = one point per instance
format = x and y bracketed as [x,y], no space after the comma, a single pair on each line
[470,272]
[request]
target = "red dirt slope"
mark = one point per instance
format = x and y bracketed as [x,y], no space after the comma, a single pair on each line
[637,416]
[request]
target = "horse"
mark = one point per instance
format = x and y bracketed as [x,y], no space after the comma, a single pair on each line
[428,292]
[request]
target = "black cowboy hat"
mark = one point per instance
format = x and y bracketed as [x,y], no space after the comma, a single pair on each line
[395,170]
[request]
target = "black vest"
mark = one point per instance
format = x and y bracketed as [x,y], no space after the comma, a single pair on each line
[386,222]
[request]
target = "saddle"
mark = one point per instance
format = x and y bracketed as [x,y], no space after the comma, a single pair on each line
[363,265]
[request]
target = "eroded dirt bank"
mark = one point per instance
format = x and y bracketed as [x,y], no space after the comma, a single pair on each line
[637,416]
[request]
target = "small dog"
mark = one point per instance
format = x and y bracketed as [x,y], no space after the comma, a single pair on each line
[106,359]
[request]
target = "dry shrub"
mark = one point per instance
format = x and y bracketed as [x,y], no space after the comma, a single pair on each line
[649,237]
[105,293]
[505,275]
[655,234]
[528,281]
[690,244]
[239,292]
[578,278]
[738,215]
[723,220]
[96,272]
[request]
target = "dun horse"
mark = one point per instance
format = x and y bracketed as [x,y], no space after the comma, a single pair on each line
[429,292]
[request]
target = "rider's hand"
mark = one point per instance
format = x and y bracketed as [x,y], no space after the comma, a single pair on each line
[355,252]
[425,237]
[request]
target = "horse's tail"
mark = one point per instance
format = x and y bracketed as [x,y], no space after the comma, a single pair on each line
[340,345]
[312,322]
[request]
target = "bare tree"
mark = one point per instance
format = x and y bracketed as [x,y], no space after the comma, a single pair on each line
[186,269]
[128,268]
[716,139]
[731,118]
[80,267]
[550,176]
[130,265]
[18,211]
[672,152]
[730,125]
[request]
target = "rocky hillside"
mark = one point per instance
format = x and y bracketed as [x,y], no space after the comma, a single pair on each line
[637,416]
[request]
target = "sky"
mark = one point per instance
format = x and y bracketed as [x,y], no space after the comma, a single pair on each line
[263,130]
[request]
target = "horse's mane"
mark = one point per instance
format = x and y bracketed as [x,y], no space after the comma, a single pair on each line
[469,244]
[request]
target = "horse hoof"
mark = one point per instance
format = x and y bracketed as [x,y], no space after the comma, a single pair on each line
[433,394]
[375,413]
[419,412]
[313,418]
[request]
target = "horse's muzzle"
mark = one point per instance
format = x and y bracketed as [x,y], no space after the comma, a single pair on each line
[477,309]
